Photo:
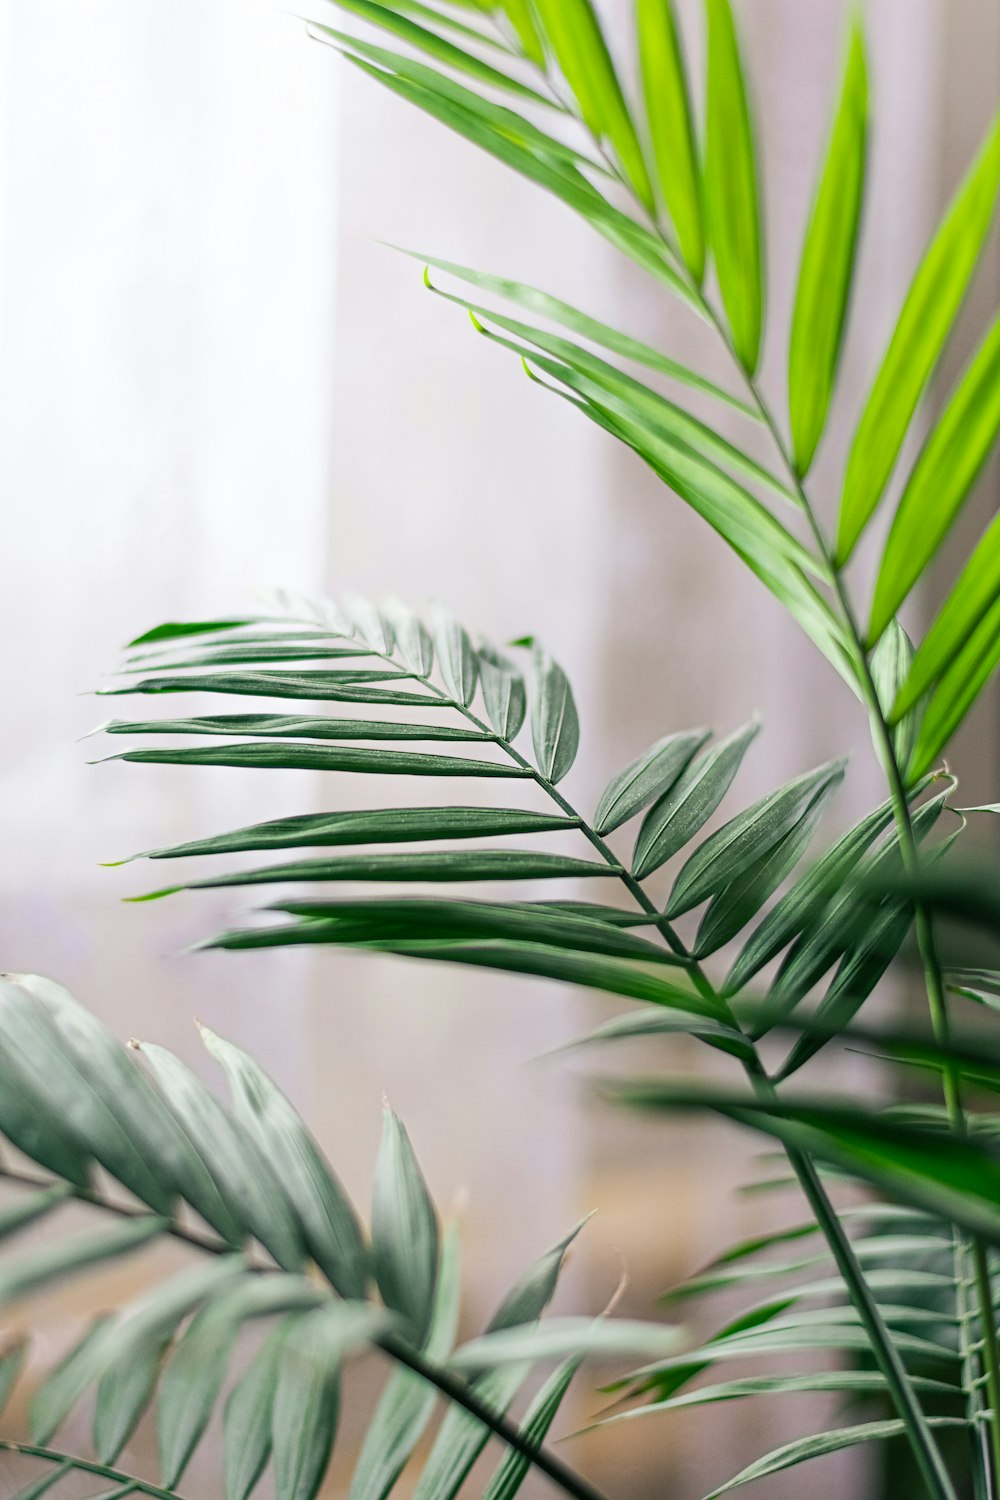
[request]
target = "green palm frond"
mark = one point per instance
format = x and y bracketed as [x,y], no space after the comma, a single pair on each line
[276,1239]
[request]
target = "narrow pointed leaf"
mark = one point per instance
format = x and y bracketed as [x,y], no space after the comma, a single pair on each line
[457,659]
[671,127]
[973,595]
[247,1422]
[558,1337]
[731,191]
[29,1271]
[531,1294]
[290,726]
[737,903]
[503,692]
[332,687]
[245,1178]
[555,727]
[327,1220]
[513,1469]
[891,662]
[405,1240]
[390,825]
[738,844]
[801,1449]
[828,256]
[436,865]
[413,639]
[267,755]
[65,1385]
[648,777]
[521,17]
[408,1401]
[925,323]
[575,35]
[676,817]
[957,691]
[798,908]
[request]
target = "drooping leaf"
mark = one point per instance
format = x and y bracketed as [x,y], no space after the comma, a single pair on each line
[942,480]
[828,256]
[326,1216]
[405,1240]
[738,844]
[925,323]
[555,726]
[676,817]
[671,127]
[731,191]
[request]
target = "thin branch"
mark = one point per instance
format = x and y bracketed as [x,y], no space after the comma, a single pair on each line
[129,1483]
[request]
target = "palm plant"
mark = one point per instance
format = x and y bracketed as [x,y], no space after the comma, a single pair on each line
[787,943]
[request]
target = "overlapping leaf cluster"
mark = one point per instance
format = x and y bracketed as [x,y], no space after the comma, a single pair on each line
[278,1240]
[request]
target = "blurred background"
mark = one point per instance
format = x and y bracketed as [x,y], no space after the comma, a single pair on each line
[215,379]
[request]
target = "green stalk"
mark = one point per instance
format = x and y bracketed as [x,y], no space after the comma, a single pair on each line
[128,1483]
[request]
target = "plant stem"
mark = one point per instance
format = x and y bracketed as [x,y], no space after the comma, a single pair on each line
[454,1388]
[128,1483]
[457,1390]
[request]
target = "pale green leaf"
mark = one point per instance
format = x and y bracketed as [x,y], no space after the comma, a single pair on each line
[405,1240]
[676,817]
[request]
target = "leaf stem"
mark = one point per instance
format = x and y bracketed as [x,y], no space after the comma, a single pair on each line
[128,1483]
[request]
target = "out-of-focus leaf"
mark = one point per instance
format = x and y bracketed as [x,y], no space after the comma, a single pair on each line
[326,1217]
[942,480]
[558,1337]
[513,1469]
[575,35]
[247,1422]
[407,1402]
[925,322]
[731,190]
[555,726]
[801,1449]
[828,256]
[676,817]
[31,1270]
[671,127]
[405,1241]
[745,839]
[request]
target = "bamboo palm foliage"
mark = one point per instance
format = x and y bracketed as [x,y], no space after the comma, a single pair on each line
[762,948]
[133,1134]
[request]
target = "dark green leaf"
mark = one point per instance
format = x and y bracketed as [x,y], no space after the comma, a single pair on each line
[291,726]
[503,692]
[575,35]
[676,817]
[750,836]
[513,1469]
[555,727]
[332,687]
[270,756]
